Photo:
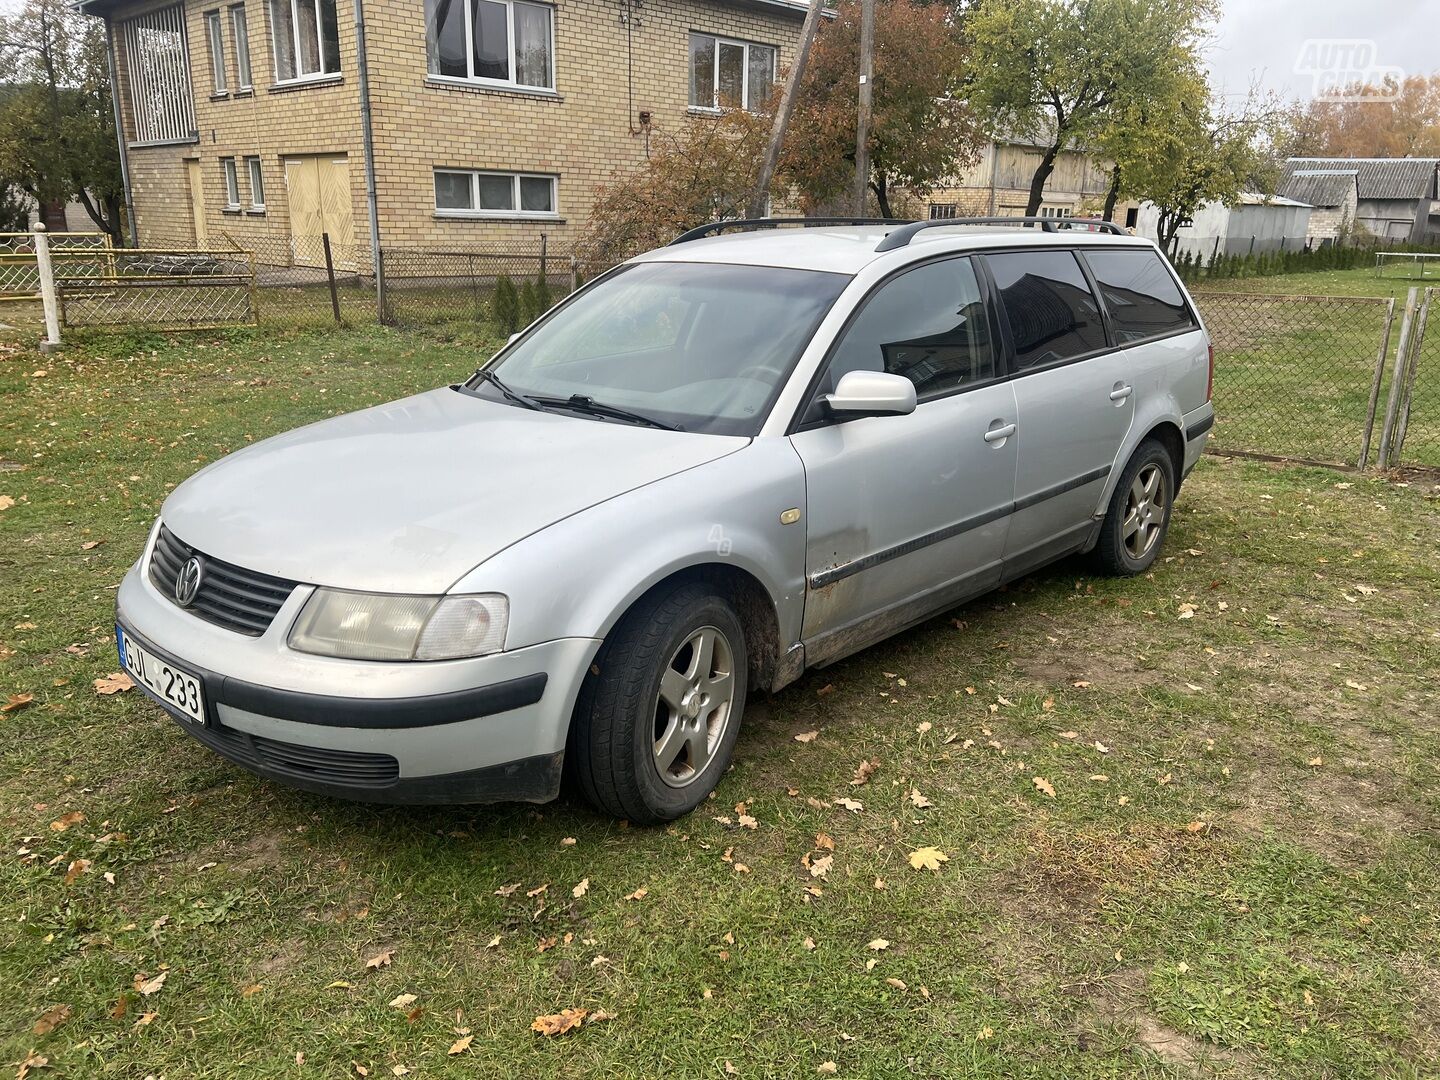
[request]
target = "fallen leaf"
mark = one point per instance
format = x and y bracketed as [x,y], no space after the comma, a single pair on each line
[864,771]
[91,545]
[1356,685]
[76,868]
[880,883]
[114,683]
[340,984]
[1316,762]
[32,1060]
[745,821]
[920,802]
[1197,826]
[896,983]
[1163,780]
[599,1016]
[878,945]
[559,1023]
[824,841]
[807,736]
[827,1068]
[922,727]
[51,1019]
[809,943]
[64,821]
[821,866]
[507,890]
[638,894]
[251,990]
[1081,684]
[6,502]
[1069,734]
[1100,746]
[151,986]
[16,702]
[459,1046]
[1366,590]
[1044,786]
[853,805]
[928,858]
[581,889]
[568,841]
[403,1001]
[538,890]
[380,960]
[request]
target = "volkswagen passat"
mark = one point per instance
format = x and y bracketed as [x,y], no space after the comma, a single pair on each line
[713,467]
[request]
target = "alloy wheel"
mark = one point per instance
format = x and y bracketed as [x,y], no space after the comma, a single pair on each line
[694,706]
[1144,512]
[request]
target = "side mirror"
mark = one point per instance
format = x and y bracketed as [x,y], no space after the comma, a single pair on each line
[512,339]
[872,393]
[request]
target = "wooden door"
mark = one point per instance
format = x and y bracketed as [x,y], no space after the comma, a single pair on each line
[197,201]
[319,189]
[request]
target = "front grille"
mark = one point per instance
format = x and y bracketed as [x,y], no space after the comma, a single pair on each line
[240,600]
[347,768]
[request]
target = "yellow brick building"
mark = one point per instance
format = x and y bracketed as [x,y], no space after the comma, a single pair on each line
[998,185]
[493,121]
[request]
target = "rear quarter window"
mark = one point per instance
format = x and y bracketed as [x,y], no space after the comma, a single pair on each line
[1140,294]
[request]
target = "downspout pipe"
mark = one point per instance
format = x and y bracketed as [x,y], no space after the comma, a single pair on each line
[377,262]
[114,61]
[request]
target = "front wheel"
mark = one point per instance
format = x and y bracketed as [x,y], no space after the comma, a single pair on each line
[659,714]
[1139,513]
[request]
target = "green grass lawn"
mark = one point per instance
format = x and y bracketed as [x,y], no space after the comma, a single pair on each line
[1361,281]
[1235,876]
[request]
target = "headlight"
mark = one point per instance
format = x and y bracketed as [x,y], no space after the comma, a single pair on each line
[377,626]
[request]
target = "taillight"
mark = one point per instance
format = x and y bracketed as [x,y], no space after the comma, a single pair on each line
[1210,379]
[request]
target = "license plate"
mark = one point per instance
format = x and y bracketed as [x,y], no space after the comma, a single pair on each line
[174,686]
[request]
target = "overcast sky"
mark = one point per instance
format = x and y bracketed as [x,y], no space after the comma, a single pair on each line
[1263,40]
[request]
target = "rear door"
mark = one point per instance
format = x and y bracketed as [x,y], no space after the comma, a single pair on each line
[1074,400]
[907,514]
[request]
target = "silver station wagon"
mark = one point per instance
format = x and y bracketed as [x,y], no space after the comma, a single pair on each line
[713,467]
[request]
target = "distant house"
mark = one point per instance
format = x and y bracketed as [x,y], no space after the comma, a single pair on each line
[1255,224]
[999,184]
[1396,199]
[1333,196]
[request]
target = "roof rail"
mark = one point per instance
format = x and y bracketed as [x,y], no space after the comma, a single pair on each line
[716,227]
[902,237]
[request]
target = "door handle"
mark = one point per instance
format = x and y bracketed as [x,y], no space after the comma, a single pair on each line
[999,433]
[1120,392]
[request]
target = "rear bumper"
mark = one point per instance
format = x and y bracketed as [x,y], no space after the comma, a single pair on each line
[1197,432]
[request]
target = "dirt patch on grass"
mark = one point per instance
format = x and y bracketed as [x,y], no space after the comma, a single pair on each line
[1117,1002]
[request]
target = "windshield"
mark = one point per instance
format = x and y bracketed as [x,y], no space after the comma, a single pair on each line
[697,346]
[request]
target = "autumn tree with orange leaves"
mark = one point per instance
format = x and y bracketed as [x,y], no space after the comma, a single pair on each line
[1391,120]
[921,131]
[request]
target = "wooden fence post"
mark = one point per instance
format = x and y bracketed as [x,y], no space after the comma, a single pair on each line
[330,276]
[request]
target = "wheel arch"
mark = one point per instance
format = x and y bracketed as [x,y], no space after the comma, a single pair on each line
[1167,433]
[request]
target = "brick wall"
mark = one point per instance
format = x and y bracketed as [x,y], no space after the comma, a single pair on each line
[587,133]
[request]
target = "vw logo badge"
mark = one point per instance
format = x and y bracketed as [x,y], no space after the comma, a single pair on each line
[187,582]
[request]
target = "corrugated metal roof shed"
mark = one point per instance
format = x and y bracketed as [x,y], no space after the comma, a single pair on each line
[1320,187]
[1376,178]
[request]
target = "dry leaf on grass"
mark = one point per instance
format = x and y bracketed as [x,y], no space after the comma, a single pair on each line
[146,987]
[896,983]
[76,868]
[879,944]
[16,702]
[807,736]
[827,1068]
[638,894]
[380,960]
[553,1024]
[581,889]
[920,802]
[864,771]
[853,805]
[114,683]
[824,841]
[1043,786]
[403,1001]
[51,1019]
[64,821]
[6,502]
[460,1045]
[821,866]
[928,858]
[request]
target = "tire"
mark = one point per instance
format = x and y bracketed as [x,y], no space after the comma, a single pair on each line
[651,737]
[1125,547]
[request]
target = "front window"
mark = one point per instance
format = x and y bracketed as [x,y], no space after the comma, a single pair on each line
[491,41]
[700,346]
[241,31]
[306,38]
[467,193]
[159,76]
[215,40]
[232,183]
[730,74]
[257,183]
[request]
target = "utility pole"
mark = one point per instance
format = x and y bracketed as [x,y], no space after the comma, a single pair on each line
[862,120]
[782,114]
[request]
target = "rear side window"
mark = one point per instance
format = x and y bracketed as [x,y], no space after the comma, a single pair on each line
[928,324]
[1051,311]
[1140,294]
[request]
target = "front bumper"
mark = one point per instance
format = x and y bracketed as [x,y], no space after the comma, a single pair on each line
[487,729]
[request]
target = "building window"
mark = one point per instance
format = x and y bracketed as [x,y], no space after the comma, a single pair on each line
[463,193]
[503,42]
[240,28]
[257,183]
[159,76]
[1056,211]
[942,211]
[232,184]
[215,43]
[306,37]
[729,74]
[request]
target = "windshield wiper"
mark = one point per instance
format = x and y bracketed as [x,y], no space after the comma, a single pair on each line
[583,404]
[513,395]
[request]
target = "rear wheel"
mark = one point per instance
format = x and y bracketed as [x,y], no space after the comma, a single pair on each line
[1139,513]
[659,713]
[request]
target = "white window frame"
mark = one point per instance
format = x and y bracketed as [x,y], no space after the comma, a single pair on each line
[944,211]
[215,43]
[511,83]
[474,175]
[232,183]
[715,106]
[161,103]
[255,175]
[240,31]
[314,76]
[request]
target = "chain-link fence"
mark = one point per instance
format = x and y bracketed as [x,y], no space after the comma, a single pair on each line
[507,287]
[1296,376]
[310,280]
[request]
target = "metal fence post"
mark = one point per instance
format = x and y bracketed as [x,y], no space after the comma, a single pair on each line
[1397,379]
[330,276]
[543,261]
[46,271]
[574,273]
[1380,358]
[1403,421]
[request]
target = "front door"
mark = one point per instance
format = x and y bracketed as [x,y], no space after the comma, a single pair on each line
[197,200]
[319,191]
[907,515]
[1074,399]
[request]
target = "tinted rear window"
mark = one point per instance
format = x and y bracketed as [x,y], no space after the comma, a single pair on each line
[1140,294]
[1051,311]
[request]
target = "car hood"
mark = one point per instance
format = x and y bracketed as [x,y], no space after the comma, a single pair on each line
[410,496]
